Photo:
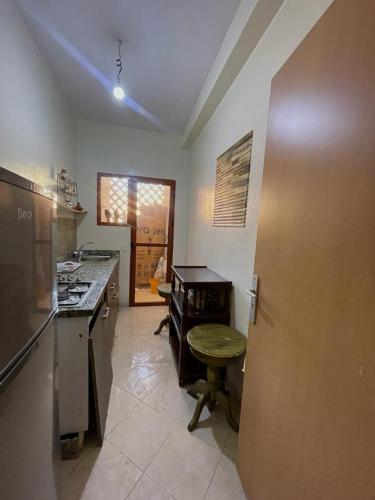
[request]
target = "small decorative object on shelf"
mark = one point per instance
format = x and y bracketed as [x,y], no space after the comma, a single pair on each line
[198,296]
[107,214]
[78,207]
[66,190]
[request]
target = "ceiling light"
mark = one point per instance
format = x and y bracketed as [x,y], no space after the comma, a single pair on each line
[118,91]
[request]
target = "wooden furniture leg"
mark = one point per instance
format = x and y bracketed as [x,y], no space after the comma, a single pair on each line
[202,400]
[164,322]
[218,346]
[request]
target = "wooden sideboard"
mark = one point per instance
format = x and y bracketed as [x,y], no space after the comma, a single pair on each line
[198,296]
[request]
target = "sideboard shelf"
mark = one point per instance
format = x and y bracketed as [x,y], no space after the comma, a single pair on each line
[198,296]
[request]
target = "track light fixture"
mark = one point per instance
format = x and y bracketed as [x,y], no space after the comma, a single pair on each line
[118,91]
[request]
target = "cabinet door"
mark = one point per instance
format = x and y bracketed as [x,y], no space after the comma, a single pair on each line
[101,367]
[113,302]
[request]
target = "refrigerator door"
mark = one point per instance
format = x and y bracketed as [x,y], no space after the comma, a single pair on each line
[26,269]
[28,431]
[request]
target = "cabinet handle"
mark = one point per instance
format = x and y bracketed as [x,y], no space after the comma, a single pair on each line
[115,295]
[106,314]
[113,286]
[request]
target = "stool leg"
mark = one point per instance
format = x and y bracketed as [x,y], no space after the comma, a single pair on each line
[163,323]
[200,386]
[224,401]
[202,400]
[214,381]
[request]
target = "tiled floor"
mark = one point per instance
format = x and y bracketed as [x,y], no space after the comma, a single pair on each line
[145,295]
[148,453]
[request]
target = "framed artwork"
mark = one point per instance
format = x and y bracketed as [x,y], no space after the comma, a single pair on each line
[232,184]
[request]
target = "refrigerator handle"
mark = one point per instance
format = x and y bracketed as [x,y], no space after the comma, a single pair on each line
[17,367]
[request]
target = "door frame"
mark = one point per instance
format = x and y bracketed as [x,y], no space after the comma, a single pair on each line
[132,221]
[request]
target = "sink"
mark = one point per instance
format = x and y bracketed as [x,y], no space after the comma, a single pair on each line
[96,257]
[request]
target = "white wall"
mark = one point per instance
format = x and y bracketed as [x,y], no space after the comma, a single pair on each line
[113,149]
[230,252]
[37,132]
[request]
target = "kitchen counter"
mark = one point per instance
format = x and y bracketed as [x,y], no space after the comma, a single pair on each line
[98,271]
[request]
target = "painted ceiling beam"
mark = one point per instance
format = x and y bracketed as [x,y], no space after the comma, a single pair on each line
[247,28]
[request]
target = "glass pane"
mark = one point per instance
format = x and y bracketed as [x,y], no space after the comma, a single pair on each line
[114,200]
[152,213]
[150,270]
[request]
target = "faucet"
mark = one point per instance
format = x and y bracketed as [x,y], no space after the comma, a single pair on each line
[79,252]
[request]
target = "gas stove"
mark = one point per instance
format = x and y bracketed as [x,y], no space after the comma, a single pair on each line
[71,291]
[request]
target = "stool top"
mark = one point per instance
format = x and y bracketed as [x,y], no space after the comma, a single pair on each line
[216,341]
[164,290]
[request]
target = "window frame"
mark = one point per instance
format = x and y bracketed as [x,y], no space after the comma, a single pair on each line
[99,221]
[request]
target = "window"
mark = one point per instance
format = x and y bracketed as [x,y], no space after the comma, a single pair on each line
[112,209]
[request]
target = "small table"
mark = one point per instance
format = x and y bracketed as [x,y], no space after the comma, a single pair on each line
[164,290]
[217,346]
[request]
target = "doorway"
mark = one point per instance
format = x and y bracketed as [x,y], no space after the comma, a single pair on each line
[151,217]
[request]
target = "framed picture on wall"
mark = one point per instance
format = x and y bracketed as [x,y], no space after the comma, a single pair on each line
[232,184]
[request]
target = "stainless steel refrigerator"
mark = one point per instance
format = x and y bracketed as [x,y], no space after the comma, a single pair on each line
[28,427]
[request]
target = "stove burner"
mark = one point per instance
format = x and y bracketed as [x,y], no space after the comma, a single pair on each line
[67,278]
[70,301]
[72,291]
[63,295]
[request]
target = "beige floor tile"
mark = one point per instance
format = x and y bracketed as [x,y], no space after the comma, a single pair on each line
[162,356]
[226,484]
[148,489]
[143,345]
[145,295]
[172,401]
[230,448]
[184,465]
[121,361]
[213,427]
[104,474]
[67,466]
[141,434]
[120,404]
[161,359]
[130,358]
[139,381]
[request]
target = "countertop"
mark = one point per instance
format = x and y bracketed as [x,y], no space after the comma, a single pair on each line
[199,275]
[98,271]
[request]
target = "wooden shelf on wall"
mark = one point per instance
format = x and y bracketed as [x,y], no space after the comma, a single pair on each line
[64,209]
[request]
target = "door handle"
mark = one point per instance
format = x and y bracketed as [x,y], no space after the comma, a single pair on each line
[253,292]
[115,295]
[113,286]
[106,314]
[19,364]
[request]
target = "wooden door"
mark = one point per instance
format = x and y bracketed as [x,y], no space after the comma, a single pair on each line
[307,427]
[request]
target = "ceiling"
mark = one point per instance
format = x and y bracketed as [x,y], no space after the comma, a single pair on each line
[169,47]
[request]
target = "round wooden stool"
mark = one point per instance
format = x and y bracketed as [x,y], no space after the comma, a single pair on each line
[217,346]
[164,290]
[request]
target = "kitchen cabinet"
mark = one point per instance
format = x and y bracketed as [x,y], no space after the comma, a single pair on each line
[100,347]
[84,357]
